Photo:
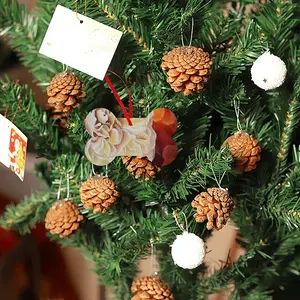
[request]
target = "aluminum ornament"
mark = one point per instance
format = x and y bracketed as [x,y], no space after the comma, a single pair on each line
[268,71]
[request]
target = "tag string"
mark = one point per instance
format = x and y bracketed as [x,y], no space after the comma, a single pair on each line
[117,97]
[85,5]
[15,113]
[18,106]
[6,111]
[128,93]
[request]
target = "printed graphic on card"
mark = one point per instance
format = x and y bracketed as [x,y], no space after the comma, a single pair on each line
[81,43]
[112,137]
[13,147]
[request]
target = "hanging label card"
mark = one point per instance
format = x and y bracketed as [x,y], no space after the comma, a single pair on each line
[112,137]
[13,147]
[81,43]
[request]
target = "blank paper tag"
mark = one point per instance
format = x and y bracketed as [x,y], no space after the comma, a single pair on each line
[13,147]
[88,46]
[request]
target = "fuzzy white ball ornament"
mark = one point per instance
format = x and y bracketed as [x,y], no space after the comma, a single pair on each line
[188,250]
[268,71]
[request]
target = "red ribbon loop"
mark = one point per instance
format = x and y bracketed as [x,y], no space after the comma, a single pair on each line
[115,93]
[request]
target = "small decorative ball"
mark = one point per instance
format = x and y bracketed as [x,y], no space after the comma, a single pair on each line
[188,250]
[268,71]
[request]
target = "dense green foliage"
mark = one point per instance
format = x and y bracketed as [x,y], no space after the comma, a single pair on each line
[267,208]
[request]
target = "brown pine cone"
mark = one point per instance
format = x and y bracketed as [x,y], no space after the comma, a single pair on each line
[150,288]
[245,151]
[140,166]
[215,206]
[99,193]
[63,218]
[188,69]
[65,92]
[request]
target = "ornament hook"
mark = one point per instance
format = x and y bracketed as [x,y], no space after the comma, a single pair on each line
[237,111]
[184,227]
[218,182]
[93,170]
[153,261]
[192,32]
[106,170]
[59,188]
[68,186]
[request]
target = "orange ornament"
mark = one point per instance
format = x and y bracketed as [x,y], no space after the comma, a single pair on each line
[164,124]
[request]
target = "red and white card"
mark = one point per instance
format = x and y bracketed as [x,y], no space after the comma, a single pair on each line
[13,147]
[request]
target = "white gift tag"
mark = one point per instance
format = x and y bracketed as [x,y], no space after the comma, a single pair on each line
[13,147]
[85,45]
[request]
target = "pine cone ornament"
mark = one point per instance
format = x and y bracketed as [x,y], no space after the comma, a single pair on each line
[99,193]
[65,92]
[188,69]
[215,206]
[139,166]
[245,151]
[150,288]
[63,218]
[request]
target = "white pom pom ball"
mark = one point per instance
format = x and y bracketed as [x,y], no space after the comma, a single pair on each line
[268,71]
[188,250]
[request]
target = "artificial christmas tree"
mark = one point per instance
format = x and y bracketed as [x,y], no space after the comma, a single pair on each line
[266,199]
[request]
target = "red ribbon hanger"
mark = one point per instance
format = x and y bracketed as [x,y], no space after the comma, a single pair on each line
[115,93]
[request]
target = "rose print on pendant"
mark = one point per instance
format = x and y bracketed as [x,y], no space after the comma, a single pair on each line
[111,137]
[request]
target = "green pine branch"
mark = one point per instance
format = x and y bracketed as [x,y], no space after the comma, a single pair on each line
[25,33]
[105,257]
[24,216]
[243,52]
[18,102]
[291,122]
[277,21]
[267,207]
[223,277]
[206,166]
[284,198]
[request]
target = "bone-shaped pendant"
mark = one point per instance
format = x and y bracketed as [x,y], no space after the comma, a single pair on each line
[150,137]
